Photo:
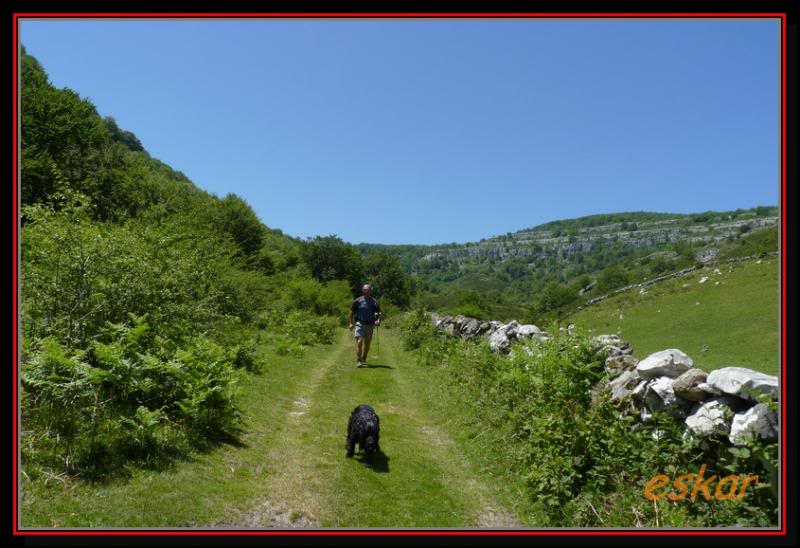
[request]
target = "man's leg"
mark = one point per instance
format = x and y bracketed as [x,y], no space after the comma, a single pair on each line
[367,342]
[359,347]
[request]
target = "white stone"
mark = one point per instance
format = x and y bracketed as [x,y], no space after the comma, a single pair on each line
[666,363]
[708,419]
[640,390]
[607,340]
[705,387]
[741,382]
[757,422]
[622,386]
[498,341]
[527,331]
[660,395]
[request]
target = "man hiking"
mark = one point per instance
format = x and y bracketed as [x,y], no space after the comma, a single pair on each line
[367,313]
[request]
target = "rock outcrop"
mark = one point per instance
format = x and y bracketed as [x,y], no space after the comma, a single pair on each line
[722,403]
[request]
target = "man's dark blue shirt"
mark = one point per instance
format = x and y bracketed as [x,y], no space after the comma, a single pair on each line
[366,309]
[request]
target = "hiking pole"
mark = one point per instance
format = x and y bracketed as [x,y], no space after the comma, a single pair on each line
[378,341]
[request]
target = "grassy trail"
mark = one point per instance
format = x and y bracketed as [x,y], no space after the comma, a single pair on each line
[290,469]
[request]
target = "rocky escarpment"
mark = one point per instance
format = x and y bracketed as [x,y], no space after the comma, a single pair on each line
[544,243]
[731,402]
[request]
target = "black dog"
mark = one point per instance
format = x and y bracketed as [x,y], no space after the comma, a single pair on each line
[364,429]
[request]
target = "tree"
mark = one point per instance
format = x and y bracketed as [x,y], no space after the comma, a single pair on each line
[330,258]
[387,278]
[60,135]
[612,278]
[237,219]
[119,135]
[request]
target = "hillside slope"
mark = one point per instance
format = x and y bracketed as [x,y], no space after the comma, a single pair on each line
[730,319]
[511,272]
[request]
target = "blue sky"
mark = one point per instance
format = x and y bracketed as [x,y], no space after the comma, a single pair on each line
[436,131]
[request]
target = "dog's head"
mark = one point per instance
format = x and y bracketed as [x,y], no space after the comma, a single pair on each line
[370,444]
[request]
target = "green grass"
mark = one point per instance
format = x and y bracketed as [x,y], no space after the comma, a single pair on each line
[204,489]
[734,323]
[292,457]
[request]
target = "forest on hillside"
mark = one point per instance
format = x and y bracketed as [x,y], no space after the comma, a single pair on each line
[141,293]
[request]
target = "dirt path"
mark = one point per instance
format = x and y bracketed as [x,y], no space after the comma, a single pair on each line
[420,479]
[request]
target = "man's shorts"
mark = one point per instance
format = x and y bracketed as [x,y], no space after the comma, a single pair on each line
[364,330]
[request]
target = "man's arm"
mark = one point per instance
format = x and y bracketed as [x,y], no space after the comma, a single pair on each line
[352,313]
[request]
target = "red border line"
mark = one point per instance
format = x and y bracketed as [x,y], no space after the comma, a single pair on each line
[328,15]
[783,271]
[493,15]
[438,532]
[15,217]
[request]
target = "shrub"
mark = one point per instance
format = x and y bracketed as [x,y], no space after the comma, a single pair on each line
[417,329]
[290,332]
[584,462]
[130,396]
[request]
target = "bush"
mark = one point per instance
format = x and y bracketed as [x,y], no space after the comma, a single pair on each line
[290,332]
[77,275]
[417,329]
[130,396]
[583,462]
[323,299]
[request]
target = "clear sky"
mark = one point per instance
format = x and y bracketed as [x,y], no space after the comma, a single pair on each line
[436,131]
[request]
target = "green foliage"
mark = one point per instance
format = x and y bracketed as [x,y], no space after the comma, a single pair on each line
[237,219]
[329,258]
[323,299]
[756,243]
[77,275]
[612,278]
[129,396]
[291,332]
[387,278]
[554,296]
[109,232]
[126,138]
[417,329]
[469,303]
[60,131]
[583,461]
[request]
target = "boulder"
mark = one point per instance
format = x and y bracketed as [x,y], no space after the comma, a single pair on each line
[611,345]
[470,328]
[607,340]
[637,394]
[709,418]
[511,329]
[743,382]
[499,341]
[622,387]
[708,389]
[483,328]
[625,350]
[527,331]
[615,365]
[666,363]
[758,422]
[660,396]
[686,385]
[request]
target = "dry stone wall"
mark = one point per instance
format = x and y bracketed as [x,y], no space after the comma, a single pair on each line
[725,402]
